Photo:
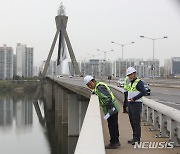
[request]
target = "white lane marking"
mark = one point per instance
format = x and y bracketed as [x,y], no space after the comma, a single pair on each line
[171,103]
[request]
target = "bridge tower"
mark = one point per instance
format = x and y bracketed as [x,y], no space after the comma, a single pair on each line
[61,24]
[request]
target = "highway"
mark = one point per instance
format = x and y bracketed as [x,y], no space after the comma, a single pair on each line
[168,96]
[163,93]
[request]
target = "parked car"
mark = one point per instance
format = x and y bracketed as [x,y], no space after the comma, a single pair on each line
[148,90]
[120,82]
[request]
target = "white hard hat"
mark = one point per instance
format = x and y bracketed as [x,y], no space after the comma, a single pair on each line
[130,70]
[87,79]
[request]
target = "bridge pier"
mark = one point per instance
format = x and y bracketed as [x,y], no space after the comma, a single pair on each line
[77,106]
[48,94]
[73,111]
[68,105]
[83,104]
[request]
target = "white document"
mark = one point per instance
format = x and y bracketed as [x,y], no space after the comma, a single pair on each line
[106,116]
[132,94]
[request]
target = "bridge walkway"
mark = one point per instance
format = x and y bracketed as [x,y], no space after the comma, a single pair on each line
[126,134]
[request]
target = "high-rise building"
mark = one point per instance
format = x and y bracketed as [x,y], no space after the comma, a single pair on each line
[29,62]
[14,65]
[6,62]
[24,63]
[171,67]
[20,59]
[96,67]
[36,71]
[143,67]
[52,68]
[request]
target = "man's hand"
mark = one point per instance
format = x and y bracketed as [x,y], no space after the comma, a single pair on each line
[131,100]
[127,109]
[92,92]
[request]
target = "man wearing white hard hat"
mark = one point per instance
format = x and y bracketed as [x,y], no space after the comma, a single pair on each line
[110,108]
[136,91]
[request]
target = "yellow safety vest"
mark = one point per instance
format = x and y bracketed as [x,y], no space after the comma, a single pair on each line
[132,92]
[101,101]
[109,90]
[126,83]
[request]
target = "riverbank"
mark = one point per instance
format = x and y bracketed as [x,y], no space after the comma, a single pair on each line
[18,87]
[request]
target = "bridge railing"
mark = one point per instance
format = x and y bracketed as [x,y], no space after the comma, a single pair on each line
[91,140]
[158,116]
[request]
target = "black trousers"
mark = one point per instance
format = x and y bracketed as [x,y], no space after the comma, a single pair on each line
[125,101]
[113,128]
[134,111]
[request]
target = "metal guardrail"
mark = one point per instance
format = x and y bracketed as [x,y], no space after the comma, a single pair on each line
[91,140]
[158,116]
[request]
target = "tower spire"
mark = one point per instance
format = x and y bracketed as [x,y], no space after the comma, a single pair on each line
[61,10]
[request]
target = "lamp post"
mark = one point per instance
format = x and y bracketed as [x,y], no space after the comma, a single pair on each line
[93,55]
[122,45]
[105,53]
[153,65]
[104,61]
[93,64]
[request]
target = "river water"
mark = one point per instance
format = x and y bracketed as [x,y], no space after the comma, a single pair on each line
[22,133]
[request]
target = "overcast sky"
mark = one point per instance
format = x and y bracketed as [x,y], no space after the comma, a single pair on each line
[92,25]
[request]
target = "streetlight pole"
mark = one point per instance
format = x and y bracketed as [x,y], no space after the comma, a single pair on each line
[105,53]
[104,60]
[93,68]
[122,45]
[93,55]
[153,63]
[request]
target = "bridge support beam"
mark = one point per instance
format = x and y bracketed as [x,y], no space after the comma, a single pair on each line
[48,94]
[76,110]
[83,104]
[68,106]
[74,113]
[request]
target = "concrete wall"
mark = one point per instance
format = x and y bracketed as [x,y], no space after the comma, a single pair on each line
[91,140]
[67,104]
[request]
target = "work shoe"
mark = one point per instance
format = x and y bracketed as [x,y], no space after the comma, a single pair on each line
[112,146]
[130,141]
[119,144]
[135,142]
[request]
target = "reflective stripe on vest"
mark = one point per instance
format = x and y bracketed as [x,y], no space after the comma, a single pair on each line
[133,91]
[126,83]
[109,90]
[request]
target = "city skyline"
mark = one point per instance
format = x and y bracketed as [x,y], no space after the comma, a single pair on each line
[18,64]
[93,25]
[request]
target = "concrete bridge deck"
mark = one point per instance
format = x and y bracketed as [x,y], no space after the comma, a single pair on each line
[126,134]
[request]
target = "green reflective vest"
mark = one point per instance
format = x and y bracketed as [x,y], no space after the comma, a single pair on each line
[126,83]
[103,99]
[132,92]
